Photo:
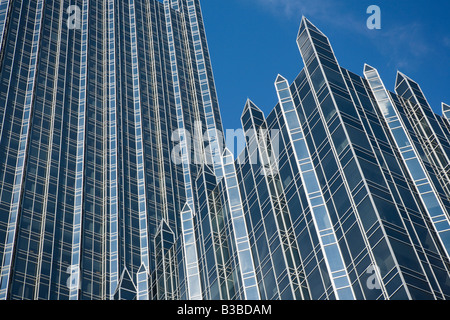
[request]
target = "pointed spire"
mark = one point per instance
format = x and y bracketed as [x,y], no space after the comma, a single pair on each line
[204,172]
[445,107]
[370,73]
[446,110]
[280,78]
[302,27]
[252,106]
[227,152]
[126,290]
[368,68]
[186,208]
[305,23]
[309,34]
[142,277]
[311,26]
[200,171]
[281,83]
[207,169]
[252,116]
[165,227]
[142,269]
[126,278]
[400,77]
[228,157]
[253,109]
[249,105]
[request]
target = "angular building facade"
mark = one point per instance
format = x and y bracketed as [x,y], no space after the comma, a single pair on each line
[115,182]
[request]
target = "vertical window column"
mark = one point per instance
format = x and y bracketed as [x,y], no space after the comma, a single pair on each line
[192,268]
[321,216]
[416,169]
[241,238]
[112,140]
[79,171]
[190,248]
[142,201]
[175,5]
[21,158]
[424,120]
[4,7]
[215,146]
[42,282]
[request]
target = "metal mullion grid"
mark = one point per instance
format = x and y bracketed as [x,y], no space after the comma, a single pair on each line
[340,117]
[142,284]
[157,120]
[219,241]
[113,171]
[287,242]
[431,143]
[199,154]
[192,274]
[11,73]
[327,236]
[421,106]
[49,159]
[192,268]
[55,160]
[142,201]
[4,7]
[20,167]
[428,145]
[379,88]
[418,173]
[79,171]
[242,244]
[175,4]
[422,185]
[205,91]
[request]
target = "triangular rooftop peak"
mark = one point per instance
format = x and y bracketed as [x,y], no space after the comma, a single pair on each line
[246,106]
[200,172]
[186,208]
[280,78]
[206,168]
[400,77]
[227,153]
[126,286]
[302,26]
[228,157]
[124,273]
[126,276]
[368,68]
[249,105]
[308,24]
[165,226]
[445,107]
[252,105]
[142,269]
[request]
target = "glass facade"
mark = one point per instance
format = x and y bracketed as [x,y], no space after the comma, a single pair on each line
[107,192]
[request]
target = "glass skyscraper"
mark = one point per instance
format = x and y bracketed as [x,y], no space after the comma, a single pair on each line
[115,182]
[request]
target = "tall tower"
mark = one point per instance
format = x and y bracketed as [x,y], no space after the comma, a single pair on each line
[97,103]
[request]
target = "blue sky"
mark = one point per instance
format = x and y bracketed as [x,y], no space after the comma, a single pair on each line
[251,41]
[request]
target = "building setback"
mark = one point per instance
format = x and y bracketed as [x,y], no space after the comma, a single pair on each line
[108,192]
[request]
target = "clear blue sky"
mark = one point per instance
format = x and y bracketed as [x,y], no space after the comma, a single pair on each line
[251,41]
